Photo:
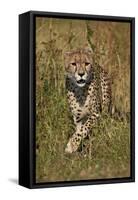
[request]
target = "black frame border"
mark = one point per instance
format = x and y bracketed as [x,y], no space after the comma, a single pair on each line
[27,170]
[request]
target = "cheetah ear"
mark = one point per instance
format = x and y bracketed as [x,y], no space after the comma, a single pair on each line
[67,54]
[66,59]
[90,53]
[88,50]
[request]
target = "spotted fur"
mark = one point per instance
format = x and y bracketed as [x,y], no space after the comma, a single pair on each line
[88,92]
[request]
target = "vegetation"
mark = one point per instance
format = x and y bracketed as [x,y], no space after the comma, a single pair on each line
[108,150]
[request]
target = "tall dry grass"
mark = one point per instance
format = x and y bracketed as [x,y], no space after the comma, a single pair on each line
[109,148]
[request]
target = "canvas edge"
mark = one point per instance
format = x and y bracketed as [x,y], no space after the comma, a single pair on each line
[32,184]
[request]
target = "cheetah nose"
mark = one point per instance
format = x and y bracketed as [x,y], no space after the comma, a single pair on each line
[81,74]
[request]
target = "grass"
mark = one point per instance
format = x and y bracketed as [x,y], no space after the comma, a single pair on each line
[108,152]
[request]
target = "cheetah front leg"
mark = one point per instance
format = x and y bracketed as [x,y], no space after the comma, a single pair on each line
[82,131]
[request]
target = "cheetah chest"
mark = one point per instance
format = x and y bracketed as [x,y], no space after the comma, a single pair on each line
[81,100]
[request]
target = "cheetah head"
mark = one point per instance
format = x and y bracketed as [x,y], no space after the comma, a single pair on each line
[78,66]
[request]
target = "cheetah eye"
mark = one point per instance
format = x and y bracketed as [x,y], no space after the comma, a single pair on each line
[87,63]
[74,64]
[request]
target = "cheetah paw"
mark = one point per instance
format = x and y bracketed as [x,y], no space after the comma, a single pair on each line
[70,148]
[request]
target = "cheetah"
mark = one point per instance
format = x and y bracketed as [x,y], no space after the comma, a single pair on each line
[88,93]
